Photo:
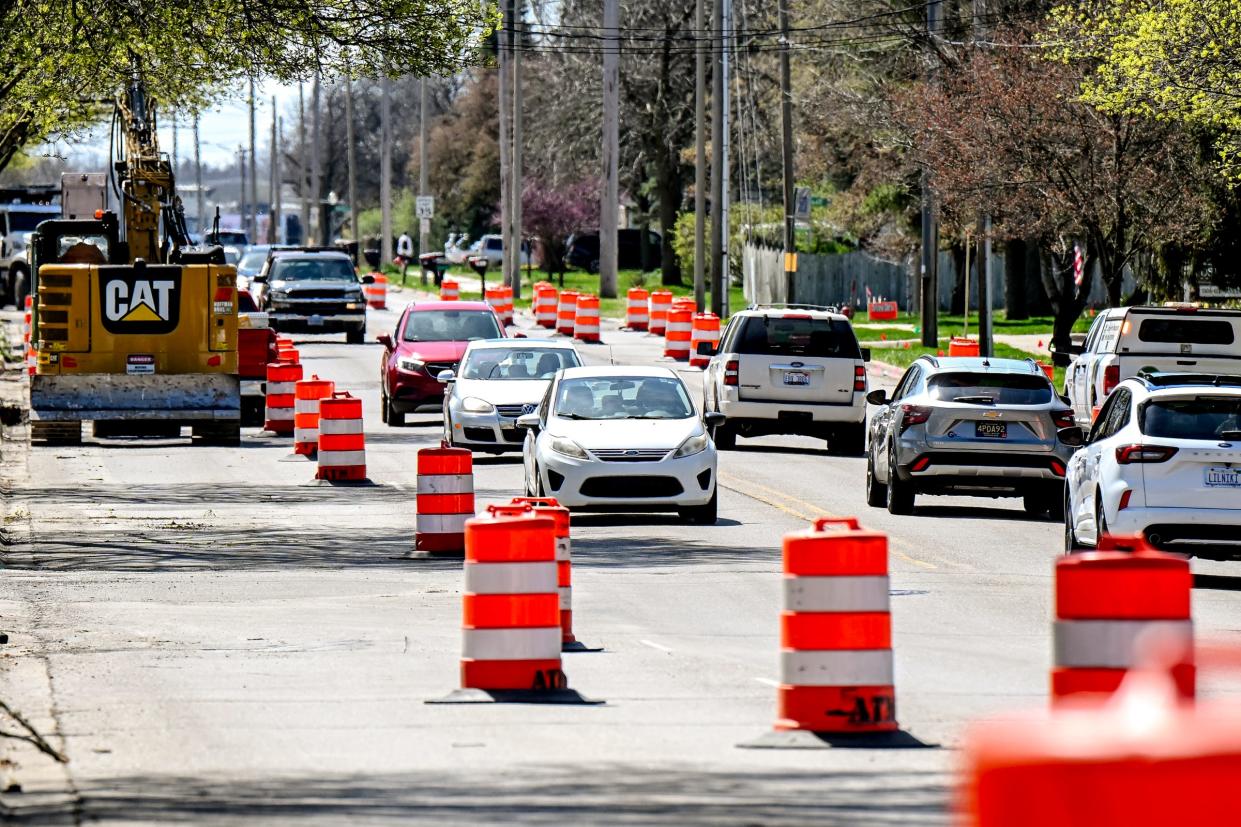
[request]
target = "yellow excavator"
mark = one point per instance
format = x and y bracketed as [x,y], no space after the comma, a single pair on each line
[135,328]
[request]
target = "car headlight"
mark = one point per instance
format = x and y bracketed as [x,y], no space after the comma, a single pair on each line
[410,365]
[568,447]
[354,306]
[279,296]
[472,404]
[691,446]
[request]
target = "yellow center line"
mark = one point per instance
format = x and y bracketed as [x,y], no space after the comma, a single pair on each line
[808,511]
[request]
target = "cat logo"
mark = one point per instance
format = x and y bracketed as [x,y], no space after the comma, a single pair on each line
[145,300]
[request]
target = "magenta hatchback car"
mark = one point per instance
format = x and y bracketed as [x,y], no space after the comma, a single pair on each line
[430,337]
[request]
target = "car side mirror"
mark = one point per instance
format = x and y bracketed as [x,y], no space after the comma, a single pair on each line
[368,279]
[865,354]
[713,419]
[385,339]
[705,349]
[877,397]
[1061,359]
[258,279]
[1074,437]
[529,421]
[445,376]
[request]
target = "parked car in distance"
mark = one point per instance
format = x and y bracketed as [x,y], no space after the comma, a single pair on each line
[228,238]
[251,263]
[497,382]
[313,290]
[969,426]
[1124,340]
[430,338]
[17,224]
[1163,459]
[621,439]
[492,246]
[789,370]
[583,250]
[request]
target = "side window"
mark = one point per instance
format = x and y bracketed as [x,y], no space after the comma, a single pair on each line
[546,404]
[1120,413]
[908,383]
[1109,333]
[730,333]
[1112,417]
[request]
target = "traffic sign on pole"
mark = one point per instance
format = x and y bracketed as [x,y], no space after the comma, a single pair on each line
[424,206]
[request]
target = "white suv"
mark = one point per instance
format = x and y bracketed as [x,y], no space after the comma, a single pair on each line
[789,370]
[1163,459]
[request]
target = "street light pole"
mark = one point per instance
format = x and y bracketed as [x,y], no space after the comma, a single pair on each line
[700,158]
[786,125]
[609,207]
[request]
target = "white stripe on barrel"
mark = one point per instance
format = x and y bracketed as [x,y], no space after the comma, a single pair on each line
[510,578]
[441,523]
[446,484]
[512,644]
[340,426]
[330,459]
[836,667]
[836,594]
[1111,644]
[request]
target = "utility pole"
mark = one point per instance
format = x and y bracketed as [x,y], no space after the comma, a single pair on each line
[351,160]
[930,226]
[242,209]
[726,164]
[719,173]
[502,95]
[303,163]
[200,203]
[985,344]
[253,231]
[385,171]
[700,158]
[786,125]
[424,170]
[610,206]
[174,145]
[273,180]
[514,278]
[321,232]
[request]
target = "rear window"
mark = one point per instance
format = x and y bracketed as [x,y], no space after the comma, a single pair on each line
[1186,331]
[1201,418]
[784,336]
[451,326]
[991,388]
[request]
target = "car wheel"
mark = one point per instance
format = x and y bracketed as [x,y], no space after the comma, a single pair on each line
[900,493]
[383,409]
[356,337]
[21,288]
[1056,501]
[1100,519]
[392,416]
[1035,504]
[876,492]
[538,482]
[1070,536]
[725,437]
[702,514]
[848,441]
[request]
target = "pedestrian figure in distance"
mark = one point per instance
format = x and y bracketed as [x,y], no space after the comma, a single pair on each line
[405,252]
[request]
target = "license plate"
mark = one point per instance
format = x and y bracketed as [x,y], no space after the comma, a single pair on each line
[796,378]
[315,321]
[991,430]
[1223,477]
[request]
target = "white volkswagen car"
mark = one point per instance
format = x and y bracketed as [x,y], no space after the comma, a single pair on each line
[1163,459]
[621,439]
[500,379]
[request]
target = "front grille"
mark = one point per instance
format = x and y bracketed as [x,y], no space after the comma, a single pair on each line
[514,411]
[631,488]
[479,434]
[513,435]
[338,295]
[630,454]
[315,308]
[434,368]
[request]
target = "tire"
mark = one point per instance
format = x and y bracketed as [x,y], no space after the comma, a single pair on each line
[1070,536]
[876,492]
[252,411]
[1036,504]
[725,438]
[538,482]
[383,409]
[848,441]
[702,514]
[901,495]
[392,416]
[21,288]
[1056,501]
[1100,518]
[356,337]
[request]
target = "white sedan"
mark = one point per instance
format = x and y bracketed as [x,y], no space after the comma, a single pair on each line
[500,380]
[1163,459]
[621,439]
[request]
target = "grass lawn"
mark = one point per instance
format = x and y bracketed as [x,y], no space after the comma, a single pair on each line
[903,358]
[955,324]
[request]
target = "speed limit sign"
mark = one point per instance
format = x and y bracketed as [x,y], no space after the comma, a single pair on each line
[424,206]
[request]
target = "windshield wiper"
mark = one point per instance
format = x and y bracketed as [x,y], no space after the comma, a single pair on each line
[573,416]
[974,400]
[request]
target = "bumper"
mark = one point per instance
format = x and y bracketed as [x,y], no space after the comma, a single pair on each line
[317,324]
[665,485]
[991,472]
[486,432]
[104,396]
[780,418]
[1202,532]
[410,391]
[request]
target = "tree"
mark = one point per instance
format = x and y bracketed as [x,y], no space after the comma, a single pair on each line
[550,214]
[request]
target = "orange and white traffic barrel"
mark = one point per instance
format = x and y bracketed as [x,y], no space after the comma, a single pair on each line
[1106,603]
[342,442]
[551,507]
[661,303]
[286,352]
[836,672]
[678,333]
[511,605]
[306,396]
[566,312]
[376,292]
[706,328]
[282,379]
[494,297]
[32,355]
[586,318]
[545,305]
[506,306]
[445,500]
[637,313]
[450,290]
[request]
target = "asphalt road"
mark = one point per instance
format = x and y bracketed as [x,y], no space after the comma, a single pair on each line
[212,638]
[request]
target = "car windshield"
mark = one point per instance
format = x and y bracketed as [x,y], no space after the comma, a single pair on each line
[312,269]
[1205,417]
[517,363]
[233,237]
[623,397]
[451,326]
[251,263]
[797,336]
[991,388]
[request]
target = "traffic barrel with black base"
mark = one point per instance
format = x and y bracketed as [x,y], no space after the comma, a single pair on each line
[306,396]
[342,440]
[280,405]
[551,507]
[511,611]
[445,501]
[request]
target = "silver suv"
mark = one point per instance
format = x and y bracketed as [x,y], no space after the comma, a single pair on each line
[789,370]
[969,426]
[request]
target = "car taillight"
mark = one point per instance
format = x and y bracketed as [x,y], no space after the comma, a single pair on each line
[859,378]
[1111,378]
[920,464]
[1063,419]
[731,372]
[1057,467]
[1127,454]
[913,415]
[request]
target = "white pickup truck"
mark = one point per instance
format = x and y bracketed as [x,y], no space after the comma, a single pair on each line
[1124,340]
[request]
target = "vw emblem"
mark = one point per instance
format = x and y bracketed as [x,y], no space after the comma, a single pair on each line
[528,409]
